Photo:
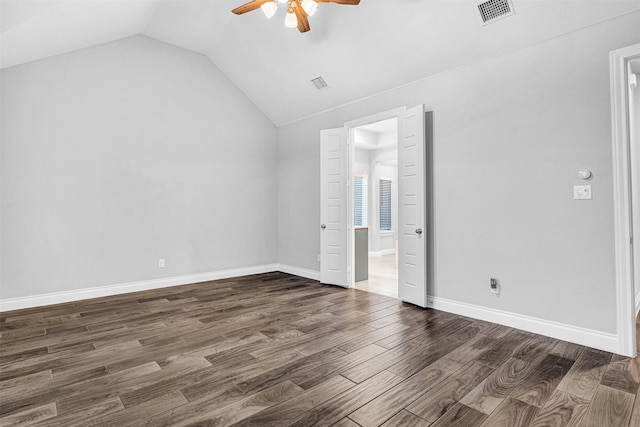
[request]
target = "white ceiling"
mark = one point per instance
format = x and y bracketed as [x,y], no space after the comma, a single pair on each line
[377,135]
[383,126]
[358,50]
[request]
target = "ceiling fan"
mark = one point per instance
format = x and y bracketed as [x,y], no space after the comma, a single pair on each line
[298,11]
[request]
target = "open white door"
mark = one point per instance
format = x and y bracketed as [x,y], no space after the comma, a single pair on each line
[333,207]
[412,239]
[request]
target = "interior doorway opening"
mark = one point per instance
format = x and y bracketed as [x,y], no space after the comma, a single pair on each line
[374,166]
[337,231]
[625,102]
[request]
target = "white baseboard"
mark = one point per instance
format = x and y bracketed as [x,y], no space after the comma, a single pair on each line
[578,335]
[637,304]
[575,334]
[302,272]
[103,291]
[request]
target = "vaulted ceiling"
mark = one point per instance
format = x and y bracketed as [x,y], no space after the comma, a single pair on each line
[358,50]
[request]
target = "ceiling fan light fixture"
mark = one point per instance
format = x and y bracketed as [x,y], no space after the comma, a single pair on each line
[298,11]
[269,9]
[310,6]
[290,21]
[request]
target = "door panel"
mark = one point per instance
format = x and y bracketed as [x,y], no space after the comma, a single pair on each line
[412,245]
[333,207]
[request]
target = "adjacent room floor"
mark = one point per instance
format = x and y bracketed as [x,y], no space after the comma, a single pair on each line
[276,349]
[383,276]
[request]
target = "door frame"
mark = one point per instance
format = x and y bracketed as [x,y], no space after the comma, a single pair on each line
[349,127]
[622,167]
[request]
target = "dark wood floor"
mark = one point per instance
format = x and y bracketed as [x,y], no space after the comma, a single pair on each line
[276,350]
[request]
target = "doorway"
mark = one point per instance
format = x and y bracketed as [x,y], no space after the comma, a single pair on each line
[374,167]
[634,149]
[625,102]
[337,233]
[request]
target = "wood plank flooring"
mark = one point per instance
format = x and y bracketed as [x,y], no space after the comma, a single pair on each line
[280,350]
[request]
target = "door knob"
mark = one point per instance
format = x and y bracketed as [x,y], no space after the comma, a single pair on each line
[323,226]
[418,230]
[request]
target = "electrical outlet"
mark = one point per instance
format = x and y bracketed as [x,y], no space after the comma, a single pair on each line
[495,288]
[582,192]
[161,263]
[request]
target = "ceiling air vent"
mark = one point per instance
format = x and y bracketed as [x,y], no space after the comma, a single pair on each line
[493,10]
[319,83]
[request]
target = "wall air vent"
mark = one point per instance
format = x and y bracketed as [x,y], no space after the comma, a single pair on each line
[319,83]
[493,10]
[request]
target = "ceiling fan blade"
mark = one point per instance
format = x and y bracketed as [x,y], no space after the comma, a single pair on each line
[248,7]
[303,21]
[351,2]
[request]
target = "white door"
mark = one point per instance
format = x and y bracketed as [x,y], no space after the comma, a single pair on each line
[333,207]
[412,239]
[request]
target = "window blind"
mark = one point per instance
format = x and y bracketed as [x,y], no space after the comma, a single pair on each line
[360,204]
[385,204]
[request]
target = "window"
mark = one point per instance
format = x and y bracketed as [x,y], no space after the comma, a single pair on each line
[360,200]
[385,204]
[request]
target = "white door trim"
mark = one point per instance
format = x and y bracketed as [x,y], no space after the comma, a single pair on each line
[390,114]
[625,295]
[349,126]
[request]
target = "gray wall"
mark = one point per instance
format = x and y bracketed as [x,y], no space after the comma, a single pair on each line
[120,154]
[510,136]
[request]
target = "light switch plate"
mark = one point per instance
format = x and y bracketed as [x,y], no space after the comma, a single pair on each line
[582,192]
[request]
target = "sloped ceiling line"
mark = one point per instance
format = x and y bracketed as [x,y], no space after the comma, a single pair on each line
[273,64]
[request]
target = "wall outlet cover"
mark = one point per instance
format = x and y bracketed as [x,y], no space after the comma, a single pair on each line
[494,286]
[582,192]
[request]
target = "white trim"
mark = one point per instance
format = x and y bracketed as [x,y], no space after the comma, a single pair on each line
[374,118]
[637,304]
[297,271]
[124,288]
[625,295]
[588,337]
[582,336]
